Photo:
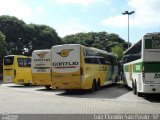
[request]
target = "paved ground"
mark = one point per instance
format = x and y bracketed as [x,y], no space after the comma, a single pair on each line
[19,99]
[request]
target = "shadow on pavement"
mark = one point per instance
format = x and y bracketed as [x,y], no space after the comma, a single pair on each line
[22,86]
[109,92]
[154,98]
[49,90]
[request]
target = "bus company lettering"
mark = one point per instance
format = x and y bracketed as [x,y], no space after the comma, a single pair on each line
[41,60]
[157,75]
[155,43]
[65,63]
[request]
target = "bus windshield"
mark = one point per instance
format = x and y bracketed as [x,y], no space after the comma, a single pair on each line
[8,60]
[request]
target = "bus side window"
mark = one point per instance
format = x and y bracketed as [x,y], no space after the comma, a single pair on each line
[24,62]
[91,60]
[20,62]
[102,61]
[28,62]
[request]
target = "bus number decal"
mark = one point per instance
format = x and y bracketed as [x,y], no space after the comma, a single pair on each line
[102,68]
[137,67]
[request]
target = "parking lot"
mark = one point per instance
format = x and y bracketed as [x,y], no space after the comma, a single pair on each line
[19,99]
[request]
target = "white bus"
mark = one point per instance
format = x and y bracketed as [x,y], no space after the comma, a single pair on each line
[75,66]
[142,65]
[41,68]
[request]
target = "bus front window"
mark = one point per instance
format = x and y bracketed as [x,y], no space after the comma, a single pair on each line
[8,60]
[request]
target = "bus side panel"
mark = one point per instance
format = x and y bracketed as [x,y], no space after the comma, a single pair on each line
[110,74]
[90,73]
[23,75]
[128,75]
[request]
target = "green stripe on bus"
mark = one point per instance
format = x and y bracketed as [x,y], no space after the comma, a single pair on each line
[137,67]
[151,67]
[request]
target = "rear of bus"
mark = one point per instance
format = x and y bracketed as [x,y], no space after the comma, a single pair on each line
[8,69]
[41,68]
[17,69]
[151,64]
[66,67]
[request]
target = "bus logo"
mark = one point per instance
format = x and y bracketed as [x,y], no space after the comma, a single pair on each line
[65,52]
[42,54]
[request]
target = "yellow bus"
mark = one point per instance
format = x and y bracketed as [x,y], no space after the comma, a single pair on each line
[41,68]
[17,69]
[78,67]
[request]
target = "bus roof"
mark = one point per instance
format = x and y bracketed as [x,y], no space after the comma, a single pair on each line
[16,56]
[131,47]
[41,50]
[147,34]
[103,51]
[92,48]
[67,45]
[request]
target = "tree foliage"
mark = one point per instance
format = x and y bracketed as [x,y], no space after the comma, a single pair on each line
[101,40]
[118,50]
[3,49]
[23,38]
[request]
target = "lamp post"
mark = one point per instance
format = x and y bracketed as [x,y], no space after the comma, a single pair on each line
[128,13]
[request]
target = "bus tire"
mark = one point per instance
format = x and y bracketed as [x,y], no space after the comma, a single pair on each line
[93,86]
[68,91]
[98,85]
[134,88]
[116,79]
[48,87]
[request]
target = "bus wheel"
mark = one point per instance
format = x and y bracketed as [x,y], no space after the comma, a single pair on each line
[116,79]
[48,87]
[139,94]
[98,85]
[134,88]
[93,86]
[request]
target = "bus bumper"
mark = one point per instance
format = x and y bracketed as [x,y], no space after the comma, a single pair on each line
[150,88]
[64,86]
[41,82]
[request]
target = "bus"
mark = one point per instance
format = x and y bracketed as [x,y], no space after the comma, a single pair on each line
[17,69]
[41,68]
[141,65]
[75,66]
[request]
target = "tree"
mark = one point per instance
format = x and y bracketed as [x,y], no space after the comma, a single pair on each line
[13,29]
[101,40]
[3,49]
[22,38]
[40,37]
[118,50]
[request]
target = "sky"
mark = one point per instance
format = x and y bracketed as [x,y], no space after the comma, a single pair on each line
[73,16]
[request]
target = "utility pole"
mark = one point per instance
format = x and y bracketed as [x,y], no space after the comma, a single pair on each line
[128,13]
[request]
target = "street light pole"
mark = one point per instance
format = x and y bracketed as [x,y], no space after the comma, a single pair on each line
[128,13]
